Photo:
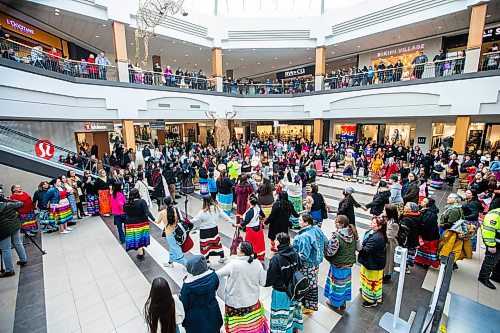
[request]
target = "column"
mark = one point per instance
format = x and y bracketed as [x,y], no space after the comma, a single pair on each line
[120,45]
[319,79]
[461,133]
[475,40]
[217,68]
[202,138]
[318,131]
[423,134]
[128,134]
[183,133]
[230,125]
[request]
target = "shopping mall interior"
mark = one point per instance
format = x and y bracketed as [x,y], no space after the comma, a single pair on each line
[173,97]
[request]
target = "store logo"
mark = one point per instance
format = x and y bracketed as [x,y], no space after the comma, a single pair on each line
[277,124]
[295,72]
[402,49]
[95,127]
[20,27]
[44,149]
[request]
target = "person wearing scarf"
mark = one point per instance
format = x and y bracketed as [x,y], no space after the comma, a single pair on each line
[410,224]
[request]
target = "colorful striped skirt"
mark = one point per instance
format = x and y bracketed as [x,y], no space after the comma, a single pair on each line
[60,213]
[204,188]
[177,187]
[256,238]
[251,319]
[187,186]
[371,285]
[338,285]
[319,167]
[92,204]
[28,221]
[210,244]
[286,315]
[225,202]
[72,204]
[310,301]
[136,235]
[43,217]
[104,202]
[427,253]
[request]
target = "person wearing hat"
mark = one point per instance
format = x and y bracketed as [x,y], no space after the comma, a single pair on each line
[347,204]
[380,199]
[198,295]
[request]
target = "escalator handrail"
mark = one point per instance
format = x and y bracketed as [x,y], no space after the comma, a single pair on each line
[53,145]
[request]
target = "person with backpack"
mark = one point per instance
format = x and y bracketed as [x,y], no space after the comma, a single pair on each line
[340,252]
[245,276]
[408,232]
[372,257]
[286,315]
[310,243]
[170,216]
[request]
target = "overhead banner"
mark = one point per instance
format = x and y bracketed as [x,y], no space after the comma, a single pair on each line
[348,133]
[308,70]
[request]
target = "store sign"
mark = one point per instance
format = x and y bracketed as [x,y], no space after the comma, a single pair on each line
[421,140]
[491,34]
[277,124]
[20,27]
[401,50]
[97,127]
[308,70]
[347,133]
[44,149]
[157,125]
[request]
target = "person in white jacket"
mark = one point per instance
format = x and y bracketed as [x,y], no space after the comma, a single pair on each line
[142,186]
[210,244]
[245,276]
[163,311]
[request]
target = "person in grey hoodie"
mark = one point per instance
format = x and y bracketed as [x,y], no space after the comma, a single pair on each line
[396,198]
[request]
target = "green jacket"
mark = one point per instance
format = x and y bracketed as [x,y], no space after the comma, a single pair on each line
[9,221]
[490,230]
[451,214]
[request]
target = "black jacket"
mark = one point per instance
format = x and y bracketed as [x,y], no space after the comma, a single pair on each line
[346,207]
[225,187]
[281,268]
[411,194]
[379,201]
[471,210]
[428,229]
[373,254]
[9,221]
[410,225]
[138,212]
[279,218]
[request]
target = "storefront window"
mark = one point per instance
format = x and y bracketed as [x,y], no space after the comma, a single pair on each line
[475,138]
[492,141]
[345,133]
[443,135]
[285,132]
[401,134]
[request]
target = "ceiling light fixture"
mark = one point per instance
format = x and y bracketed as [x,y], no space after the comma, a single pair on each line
[56,10]
[310,58]
[273,67]
[335,45]
[253,49]
[96,36]
[243,67]
[196,64]
[175,60]
[359,45]
[183,42]
[439,27]
[56,14]
[258,63]
[275,58]
[242,59]
[488,16]
[200,48]
[173,42]
[290,62]
[104,25]
[187,55]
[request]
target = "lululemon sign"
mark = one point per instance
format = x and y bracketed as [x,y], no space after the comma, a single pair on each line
[44,149]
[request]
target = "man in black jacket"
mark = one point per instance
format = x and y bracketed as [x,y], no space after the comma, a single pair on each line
[10,226]
[346,205]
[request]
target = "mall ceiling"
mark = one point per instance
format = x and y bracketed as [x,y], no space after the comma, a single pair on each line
[96,35]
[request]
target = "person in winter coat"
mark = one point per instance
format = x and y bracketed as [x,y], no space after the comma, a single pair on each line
[285,313]
[472,208]
[429,233]
[452,212]
[10,235]
[411,194]
[309,244]
[242,192]
[391,215]
[372,257]
[380,199]
[279,219]
[254,232]
[245,276]
[347,204]
[408,236]
[198,295]
[396,198]
[340,251]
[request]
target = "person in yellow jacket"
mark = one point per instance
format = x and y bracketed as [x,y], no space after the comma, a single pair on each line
[233,166]
[490,230]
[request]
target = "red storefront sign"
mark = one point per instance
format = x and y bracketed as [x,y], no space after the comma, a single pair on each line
[44,149]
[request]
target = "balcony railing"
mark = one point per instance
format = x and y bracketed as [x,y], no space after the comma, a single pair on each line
[268,88]
[489,61]
[447,67]
[38,58]
[139,76]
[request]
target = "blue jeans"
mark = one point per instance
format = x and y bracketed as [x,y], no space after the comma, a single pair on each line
[119,222]
[175,251]
[6,245]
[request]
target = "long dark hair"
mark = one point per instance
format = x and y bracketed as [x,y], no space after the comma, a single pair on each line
[117,187]
[132,195]
[171,218]
[160,307]
[247,249]
[284,203]
[391,211]
[266,187]
[283,238]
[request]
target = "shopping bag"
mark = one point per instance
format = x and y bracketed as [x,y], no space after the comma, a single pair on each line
[237,239]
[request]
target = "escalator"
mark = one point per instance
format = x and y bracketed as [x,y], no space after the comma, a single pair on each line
[24,152]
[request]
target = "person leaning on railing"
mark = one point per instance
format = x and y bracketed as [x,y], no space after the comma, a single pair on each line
[103,62]
[10,54]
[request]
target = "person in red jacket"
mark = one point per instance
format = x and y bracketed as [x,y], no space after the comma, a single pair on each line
[242,192]
[26,213]
[93,69]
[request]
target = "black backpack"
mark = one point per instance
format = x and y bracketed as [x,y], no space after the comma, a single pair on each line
[402,235]
[298,286]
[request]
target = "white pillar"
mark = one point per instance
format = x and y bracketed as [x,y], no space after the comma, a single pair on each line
[219,84]
[319,83]
[423,130]
[122,68]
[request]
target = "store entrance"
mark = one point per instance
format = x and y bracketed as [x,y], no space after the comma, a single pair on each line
[85,140]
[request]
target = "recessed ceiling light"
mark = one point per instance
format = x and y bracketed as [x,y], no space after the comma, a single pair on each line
[96,36]
[175,60]
[187,55]
[273,67]
[222,53]
[196,64]
[335,45]
[253,49]
[308,49]
[310,58]
[348,59]
[488,16]
[243,67]
[183,42]
[275,58]
[439,27]
[229,50]
[200,48]
[333,52]
[56,10]
[290,62]
[258,63]
[56,13]
[359,45]
[227,64]
[131,43]
[104,25]
[161,50]
[242,59]
[173,42]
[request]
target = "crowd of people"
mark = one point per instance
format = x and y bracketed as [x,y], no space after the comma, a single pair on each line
[274,185]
